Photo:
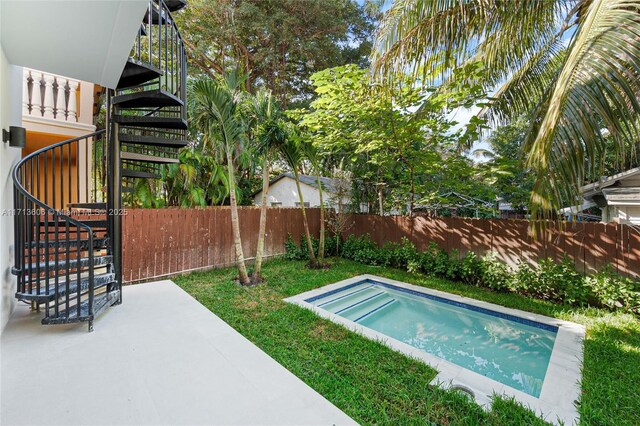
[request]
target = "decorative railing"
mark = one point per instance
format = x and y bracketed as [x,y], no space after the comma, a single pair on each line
[159,44]
[50,236]
[49,96]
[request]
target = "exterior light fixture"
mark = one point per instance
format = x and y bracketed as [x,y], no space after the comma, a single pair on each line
[16,136]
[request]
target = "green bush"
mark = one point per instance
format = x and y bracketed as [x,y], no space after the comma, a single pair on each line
[609,290]
[495,274]
[472,269]
[557,282]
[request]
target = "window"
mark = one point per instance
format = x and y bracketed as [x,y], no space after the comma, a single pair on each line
[306,204]
[276,204]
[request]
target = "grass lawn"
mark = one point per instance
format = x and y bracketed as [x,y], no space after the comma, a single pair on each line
[376,385]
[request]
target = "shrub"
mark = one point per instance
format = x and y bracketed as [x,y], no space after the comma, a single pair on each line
[608,290]
[556,282]
[471,269]
[495,274]
[292,251]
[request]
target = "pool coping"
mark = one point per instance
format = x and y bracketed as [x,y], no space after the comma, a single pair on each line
[561,386]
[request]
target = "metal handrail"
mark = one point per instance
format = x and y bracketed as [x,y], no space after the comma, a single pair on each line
[24,231]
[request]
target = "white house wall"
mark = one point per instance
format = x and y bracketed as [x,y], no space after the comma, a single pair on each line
[628,214]
[285,192]
[10,115]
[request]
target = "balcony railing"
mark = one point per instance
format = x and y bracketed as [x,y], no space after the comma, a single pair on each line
[49,96]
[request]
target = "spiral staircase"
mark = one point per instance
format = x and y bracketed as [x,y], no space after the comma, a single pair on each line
[68,196]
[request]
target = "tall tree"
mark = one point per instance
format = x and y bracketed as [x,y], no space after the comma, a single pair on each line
[505,167]
[292,153]
[573,64]
[393,151]
[312,155]
[213,107]
[278,44]
[267,133]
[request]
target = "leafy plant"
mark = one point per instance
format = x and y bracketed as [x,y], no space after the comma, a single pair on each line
[557,282]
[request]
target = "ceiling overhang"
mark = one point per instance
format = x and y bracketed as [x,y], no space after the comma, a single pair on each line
[85,40]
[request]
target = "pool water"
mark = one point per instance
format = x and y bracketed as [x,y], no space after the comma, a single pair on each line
[508,349]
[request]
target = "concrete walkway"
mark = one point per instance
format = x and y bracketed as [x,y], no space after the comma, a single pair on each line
[161,358]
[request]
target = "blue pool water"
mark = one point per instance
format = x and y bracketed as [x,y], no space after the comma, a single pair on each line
[511,350]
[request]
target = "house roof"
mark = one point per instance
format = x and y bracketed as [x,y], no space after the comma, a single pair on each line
[596,187]
[328,184]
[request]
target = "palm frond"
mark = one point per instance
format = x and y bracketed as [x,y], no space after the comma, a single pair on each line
[597,87]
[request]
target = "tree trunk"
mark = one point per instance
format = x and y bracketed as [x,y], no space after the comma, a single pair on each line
[321,243]
[262,227]
[413,193]
[243,276]
[312,256]
[381,212]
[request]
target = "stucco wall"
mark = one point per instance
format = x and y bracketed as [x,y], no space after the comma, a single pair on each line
[10,115]
[285,191]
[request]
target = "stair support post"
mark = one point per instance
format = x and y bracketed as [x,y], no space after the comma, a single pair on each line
[114,194]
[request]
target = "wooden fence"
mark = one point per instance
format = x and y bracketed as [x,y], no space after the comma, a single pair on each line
[590,246]
[163,242]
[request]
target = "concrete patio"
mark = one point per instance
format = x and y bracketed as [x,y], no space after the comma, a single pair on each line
[159,358]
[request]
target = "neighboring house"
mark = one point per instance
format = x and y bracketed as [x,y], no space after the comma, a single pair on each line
[283,192]
[58,176]
[507,211]
[618,197]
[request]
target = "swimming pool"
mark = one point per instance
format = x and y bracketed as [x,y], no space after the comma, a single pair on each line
[485,349]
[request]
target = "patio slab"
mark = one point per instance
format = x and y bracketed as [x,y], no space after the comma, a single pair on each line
[159,358]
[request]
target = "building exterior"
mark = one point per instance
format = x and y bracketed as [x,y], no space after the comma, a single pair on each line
[283,192]
[54,55]
[55,108]
[618,197]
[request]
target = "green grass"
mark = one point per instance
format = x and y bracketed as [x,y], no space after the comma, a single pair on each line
[376,385]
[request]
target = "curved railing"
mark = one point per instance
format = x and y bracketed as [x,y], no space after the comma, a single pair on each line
[53,249]
[160,45]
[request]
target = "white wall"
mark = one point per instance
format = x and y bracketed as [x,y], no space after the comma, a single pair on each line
[285,191]
[628,214]
[10,115]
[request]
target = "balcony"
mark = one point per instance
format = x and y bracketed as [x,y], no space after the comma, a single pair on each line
[55,105]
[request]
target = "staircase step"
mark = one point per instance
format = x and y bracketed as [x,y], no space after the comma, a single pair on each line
[127,173]
[155,17]
[62,264]
[134,156]
[98,243]
[88,206]
[157,122]
[152,140]
[136,73]
[175,5]
[41,295]
[100,303]
[147,98]
[93,223]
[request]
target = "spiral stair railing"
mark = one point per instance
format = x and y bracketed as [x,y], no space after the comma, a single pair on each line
[68,196]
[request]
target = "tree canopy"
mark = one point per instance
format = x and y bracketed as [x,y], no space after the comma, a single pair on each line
[278,44]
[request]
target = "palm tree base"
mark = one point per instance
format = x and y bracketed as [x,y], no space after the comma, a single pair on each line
[318,265]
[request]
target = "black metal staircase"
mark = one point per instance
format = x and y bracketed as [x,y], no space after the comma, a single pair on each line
[68,196]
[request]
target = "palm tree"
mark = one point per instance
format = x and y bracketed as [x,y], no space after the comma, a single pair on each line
[292,153]
[268,132]
[311,154]
[573,64]
[213,107]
